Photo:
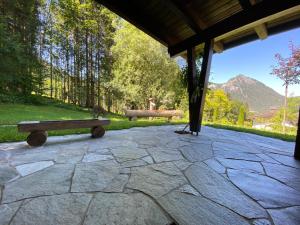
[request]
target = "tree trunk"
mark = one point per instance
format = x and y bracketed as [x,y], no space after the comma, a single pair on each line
[284,108]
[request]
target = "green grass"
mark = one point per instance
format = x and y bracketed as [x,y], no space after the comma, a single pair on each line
[277,135]
[11,114]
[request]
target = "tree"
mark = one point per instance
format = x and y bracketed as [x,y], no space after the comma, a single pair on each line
[142,69]
[288,70]
[241,117]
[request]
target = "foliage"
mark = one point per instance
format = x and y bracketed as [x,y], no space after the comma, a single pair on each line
[142,69]
[288,70]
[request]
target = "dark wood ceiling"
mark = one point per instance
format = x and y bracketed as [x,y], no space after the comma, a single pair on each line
[181,24]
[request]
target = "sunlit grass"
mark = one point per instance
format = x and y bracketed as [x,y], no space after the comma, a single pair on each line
[11,114]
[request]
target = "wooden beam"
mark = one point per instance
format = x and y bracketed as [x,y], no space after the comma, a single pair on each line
[218,47]
[256,12]
[179,7]
[297,146]
[204,76]
[197,86]
[191,78]
[261,31]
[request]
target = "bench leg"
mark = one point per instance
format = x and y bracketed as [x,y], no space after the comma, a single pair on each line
[97,132]
[37,138]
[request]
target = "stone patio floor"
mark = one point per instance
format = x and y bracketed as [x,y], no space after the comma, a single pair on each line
[151,176]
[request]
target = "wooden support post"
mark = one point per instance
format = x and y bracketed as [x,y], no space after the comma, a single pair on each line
[191,77]
[197,86]
[204,76]
[297,146]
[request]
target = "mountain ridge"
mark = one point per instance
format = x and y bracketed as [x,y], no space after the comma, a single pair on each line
[259,97]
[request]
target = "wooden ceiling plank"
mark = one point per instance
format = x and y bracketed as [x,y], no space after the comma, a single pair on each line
[261,31]
[257,12]
[218,47]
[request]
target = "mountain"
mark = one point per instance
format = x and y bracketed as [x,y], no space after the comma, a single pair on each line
[258,96]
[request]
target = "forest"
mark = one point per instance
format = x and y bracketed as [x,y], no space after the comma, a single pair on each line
[78,52]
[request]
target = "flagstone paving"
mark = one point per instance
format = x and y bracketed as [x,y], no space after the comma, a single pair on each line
[151,176]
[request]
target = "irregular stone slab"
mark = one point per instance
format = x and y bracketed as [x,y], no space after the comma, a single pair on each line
[189,190]
[215,165]
[187,209]
[234,147]
[117,184]
[133,163]
[182,164]
[44,154]
[53,180]
[287,175]
[242,165]
[269,192]
[197,152]
[166,155]
[267,158]
[7,173]
[215,187]
[67,209]
[30,168]
[97,176]
[70,154]
[261,222]
[93,157]
[286,160]
[7,211]
[127,153]
[290,216]
[148,159]
[157,179]
[135,209]
[236,155]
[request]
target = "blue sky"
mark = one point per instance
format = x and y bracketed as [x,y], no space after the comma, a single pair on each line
[255,60]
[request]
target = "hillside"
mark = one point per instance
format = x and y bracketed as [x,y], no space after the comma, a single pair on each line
[258,96]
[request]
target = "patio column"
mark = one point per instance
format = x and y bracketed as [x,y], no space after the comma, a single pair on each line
[297,146]
[197,86]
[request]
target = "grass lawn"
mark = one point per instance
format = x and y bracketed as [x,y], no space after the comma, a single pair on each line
[11,114]
[285,137]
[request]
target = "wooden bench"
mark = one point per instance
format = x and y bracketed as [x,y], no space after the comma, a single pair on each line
[131,114]
[38,129]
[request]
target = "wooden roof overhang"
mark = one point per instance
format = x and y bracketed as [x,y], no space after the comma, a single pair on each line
[182,24]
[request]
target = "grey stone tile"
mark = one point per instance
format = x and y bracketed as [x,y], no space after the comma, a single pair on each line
[135,209]
[157,179]
[287,175]
[67,209]
[98,176]
[93,157]
[215,165]
[30,168]
[267,191]
[53,180]
[242,165]
[134,163]
[7,211]
[128,153]
[197,152]
[286,160]
[7,173]
[188,209]
[290,216]
[215,187]
[166,155]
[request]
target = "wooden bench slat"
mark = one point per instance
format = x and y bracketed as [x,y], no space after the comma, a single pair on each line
[28,126]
